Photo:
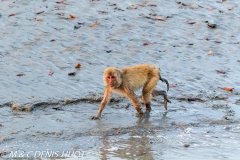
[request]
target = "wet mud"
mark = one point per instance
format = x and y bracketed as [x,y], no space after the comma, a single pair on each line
[46,103]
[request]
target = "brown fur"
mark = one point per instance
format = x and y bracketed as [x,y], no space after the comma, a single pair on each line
[130,79]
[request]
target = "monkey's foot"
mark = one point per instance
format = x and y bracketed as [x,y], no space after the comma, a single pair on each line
[148,107]
[94,118]
[165,103]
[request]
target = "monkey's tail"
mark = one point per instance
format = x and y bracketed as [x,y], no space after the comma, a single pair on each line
[164,80]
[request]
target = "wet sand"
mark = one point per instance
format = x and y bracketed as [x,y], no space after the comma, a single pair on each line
[51,112]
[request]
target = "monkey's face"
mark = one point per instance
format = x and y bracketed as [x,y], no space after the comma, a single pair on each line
[112,77]
[111,80]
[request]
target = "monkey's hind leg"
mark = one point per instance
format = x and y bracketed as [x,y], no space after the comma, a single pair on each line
[147,92]
[136,104]
[164,94]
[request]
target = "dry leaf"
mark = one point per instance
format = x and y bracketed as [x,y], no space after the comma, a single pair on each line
[60,2]
[50,73]
[145,43]
[117,133]
[136,7]
[114,4]
[20,74]
[228,88]
[95,24]
[178,2]
[219,71]
[162,51]
[186,145]
[142,5]
[191,22]
[172,86]
[103,12]
[191,99]
[153,5]
[78,65]
[209,9]
[119,9]
[230,8]
[193,7]
[40,12]
[143,153]
[72,16]
[39,20]
[13,14]
[160,18]
[185,4]
[58,108]
[72,73]
[217,41]
[77,27]
[108,51]
[224,0]
[209,52]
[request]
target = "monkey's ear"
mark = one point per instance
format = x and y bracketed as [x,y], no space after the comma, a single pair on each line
[119,71]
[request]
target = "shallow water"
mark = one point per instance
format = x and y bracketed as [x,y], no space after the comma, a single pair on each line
[201,114]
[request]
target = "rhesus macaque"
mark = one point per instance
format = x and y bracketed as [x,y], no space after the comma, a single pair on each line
[130,79]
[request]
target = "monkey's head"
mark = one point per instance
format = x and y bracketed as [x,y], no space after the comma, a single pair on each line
[112,77]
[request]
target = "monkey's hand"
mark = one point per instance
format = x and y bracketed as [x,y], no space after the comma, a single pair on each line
[140,112]
[94,117]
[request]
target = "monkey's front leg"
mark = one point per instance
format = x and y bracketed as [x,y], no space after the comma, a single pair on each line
[106,97]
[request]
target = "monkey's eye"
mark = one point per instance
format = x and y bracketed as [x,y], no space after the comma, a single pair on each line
[111,77]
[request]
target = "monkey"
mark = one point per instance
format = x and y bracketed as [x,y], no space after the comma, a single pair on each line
[127,80]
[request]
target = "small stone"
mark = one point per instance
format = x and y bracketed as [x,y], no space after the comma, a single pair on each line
[77,27]
[75,147]
[58,120]
[186,145]
[212,25]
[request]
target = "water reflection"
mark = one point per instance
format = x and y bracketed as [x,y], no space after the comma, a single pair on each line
[135,144]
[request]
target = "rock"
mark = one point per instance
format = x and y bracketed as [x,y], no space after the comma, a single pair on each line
[186,145]
[75,147]
[211,24]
